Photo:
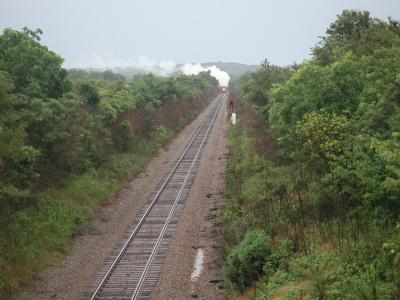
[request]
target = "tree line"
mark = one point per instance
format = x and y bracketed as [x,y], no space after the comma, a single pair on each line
[51,126]
[68,140]
[314,173]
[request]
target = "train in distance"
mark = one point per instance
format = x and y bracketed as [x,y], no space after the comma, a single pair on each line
[223,89]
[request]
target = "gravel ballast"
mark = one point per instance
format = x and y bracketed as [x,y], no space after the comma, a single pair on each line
[198,228]
[95,242]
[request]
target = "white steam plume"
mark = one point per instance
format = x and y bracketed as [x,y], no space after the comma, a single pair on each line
[108,61]
[194,69]
[164,67]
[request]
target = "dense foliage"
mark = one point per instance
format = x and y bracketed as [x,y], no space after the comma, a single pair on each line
[67,140]
[246,260]
[316,160]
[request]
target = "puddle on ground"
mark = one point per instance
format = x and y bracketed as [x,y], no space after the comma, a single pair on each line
[198,264]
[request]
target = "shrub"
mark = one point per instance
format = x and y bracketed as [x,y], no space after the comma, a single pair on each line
[123,138]
[246,260]
[89,92]
[280,257]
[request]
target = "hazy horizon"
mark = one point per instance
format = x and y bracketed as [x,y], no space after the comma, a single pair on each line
[97,34]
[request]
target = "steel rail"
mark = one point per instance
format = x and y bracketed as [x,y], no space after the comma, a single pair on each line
[172,210]
[142,219]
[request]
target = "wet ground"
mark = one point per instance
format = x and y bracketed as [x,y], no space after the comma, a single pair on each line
[197,228]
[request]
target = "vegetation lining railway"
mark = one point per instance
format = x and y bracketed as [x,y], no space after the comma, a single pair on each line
[134,267]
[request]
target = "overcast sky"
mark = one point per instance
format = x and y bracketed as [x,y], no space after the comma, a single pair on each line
[105,32]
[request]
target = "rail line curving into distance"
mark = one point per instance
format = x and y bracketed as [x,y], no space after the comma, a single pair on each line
[134,267]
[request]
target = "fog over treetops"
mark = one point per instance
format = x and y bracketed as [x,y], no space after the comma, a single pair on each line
[222,71]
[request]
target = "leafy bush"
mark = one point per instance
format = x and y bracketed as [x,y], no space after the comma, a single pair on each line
[280,257]
[66,146]
[89,92]
[331,187]
[245,262]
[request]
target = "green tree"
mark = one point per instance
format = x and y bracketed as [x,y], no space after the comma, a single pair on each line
[246,261]
[355,31]
[35,70]
[17,158]
[257,86]
[89,92]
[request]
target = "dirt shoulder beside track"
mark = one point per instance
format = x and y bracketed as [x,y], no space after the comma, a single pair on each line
[70,279]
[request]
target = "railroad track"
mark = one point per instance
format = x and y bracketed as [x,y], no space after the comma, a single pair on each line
[133,269]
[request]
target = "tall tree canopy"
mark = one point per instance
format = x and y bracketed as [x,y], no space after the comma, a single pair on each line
[35,70]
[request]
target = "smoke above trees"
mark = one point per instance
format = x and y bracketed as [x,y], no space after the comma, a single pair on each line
[144,64]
